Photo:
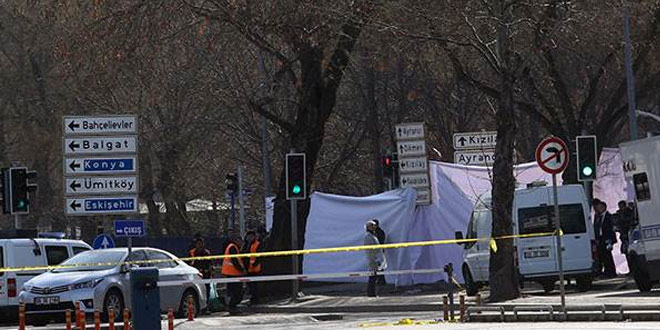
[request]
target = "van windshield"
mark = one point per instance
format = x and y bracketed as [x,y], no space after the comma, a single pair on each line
[92,260]
[536,220]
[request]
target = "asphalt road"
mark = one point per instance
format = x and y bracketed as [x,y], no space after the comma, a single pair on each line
[611,291]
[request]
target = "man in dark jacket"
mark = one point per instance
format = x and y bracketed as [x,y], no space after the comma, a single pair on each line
[605,238]
[625,219]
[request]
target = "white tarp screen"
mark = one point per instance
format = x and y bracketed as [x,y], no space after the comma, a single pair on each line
[339,220]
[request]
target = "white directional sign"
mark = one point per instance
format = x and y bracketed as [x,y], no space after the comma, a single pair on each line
[415,180]
[100,145]
[409,131]
[418,164]
[475,140]
[101,185]
[100,165]
[411,148]
[101,205]
[475,157]
[100,125]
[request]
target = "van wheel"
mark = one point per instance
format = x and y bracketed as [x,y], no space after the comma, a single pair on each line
[584,283]
[115,300]
[471,288]
[183,306]
[641,277]
[548,285]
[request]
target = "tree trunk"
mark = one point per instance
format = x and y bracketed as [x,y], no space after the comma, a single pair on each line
[373,127]
[502,274]
[320,84]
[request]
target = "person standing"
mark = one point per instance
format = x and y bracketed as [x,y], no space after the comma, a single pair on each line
[233,267]
[255,267]
[375,257]
[203,266]
[380,234]
[625,218]
[605,238]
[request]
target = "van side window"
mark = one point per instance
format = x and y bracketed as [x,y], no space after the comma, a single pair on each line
[642,188]
[79,249]
[472,230]
[56,254]
[2,259]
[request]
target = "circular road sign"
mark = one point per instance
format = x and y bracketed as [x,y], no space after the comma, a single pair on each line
[103,241]
[552,155]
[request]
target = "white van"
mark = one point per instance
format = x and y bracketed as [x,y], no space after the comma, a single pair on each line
[641,165]
[533,210]
[24,252]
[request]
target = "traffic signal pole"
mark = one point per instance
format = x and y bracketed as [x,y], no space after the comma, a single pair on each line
[294,246]
[241,200]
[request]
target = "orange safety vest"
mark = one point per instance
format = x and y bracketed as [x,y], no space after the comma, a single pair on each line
[254,269]
[228,267]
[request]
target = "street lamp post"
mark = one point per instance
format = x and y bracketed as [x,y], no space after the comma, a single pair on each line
[630,78]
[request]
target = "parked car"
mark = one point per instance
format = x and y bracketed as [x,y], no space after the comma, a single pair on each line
[535,257]
[103,282]
[22,252]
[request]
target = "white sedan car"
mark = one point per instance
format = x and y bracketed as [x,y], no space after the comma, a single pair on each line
[104,282]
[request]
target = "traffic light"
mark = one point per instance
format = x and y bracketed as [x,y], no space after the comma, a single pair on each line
[16,189]
[6,191]
[296,185]
[232,183]
[587,160]
[388,165]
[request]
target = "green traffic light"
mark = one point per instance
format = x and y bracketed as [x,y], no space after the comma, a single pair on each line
[296,189]
[21,204]
[587,171]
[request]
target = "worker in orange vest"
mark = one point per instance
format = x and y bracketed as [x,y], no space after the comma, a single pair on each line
[203,266]
[233,267]
[253,244]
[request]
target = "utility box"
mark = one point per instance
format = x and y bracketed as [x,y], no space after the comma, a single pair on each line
[145,298]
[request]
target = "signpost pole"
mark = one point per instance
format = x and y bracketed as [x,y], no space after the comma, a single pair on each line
[130,245]
[294,246]
[241,200]
[558,235]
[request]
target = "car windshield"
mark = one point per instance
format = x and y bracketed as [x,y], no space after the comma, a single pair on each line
[92,260]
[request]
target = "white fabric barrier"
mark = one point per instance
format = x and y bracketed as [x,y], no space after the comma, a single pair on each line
[339,220]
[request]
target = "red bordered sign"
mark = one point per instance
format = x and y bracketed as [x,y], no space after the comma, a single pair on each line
[552,155]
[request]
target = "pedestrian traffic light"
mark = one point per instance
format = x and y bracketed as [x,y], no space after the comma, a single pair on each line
[296,185]
[232,183]
[587,160]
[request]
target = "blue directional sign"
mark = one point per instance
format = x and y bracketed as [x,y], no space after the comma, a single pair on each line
[100,165]
[103,241]
[130,228]
[101,205]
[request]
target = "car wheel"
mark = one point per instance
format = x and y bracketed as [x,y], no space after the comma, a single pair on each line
[584,283]
[548,285]
[471,288]
[115,300]
[183,306]
[641,277]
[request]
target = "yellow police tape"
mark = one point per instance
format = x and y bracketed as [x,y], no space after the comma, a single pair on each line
[407,322]
[491,240]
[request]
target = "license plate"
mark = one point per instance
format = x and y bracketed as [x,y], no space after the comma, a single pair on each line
[537,254]
[46,300]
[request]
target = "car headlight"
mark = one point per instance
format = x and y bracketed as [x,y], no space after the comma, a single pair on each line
[85,285]
[27,287]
